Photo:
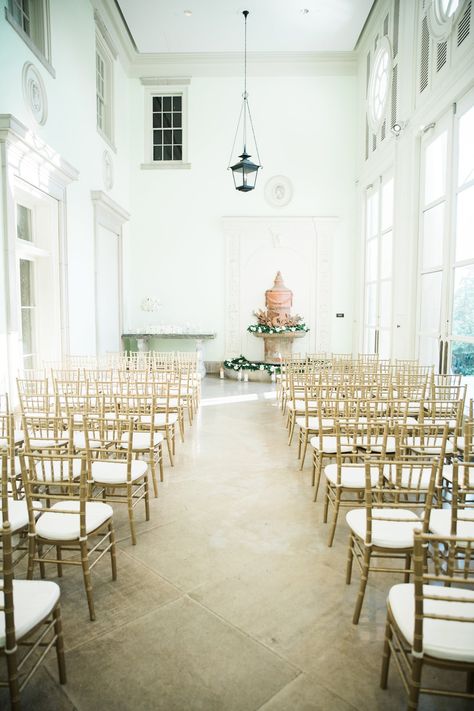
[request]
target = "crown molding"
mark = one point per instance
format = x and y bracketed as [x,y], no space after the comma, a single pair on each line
[165,81]
[230,64]
[147,65]
[102,28]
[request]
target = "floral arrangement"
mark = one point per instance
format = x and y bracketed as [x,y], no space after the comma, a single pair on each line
[241,363]
[275,324]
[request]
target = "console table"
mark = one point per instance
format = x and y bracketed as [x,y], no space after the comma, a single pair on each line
[144,342]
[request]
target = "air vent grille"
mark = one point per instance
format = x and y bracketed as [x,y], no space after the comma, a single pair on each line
[464,27]
[424,55]
[394,106]
[441,55]
[396,22]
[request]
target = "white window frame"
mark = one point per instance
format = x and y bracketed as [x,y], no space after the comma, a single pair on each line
[107,130]
[40,19]
[164,87]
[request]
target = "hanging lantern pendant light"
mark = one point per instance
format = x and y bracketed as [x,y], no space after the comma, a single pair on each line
[245,171]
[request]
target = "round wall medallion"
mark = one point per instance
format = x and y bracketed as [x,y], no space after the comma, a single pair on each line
[379,85]
[107,170]
[278,191]
[34,93]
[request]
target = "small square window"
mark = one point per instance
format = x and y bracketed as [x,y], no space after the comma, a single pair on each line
[167,123]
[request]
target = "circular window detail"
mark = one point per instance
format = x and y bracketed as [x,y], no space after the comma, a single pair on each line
[379,85]
[34,93]
[441,16]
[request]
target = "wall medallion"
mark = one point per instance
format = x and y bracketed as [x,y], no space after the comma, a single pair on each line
[34,93]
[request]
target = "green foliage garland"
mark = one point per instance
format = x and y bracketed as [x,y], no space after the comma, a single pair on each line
[260,328]
[241,363]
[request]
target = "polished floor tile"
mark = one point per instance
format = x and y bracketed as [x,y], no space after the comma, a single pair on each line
[231,599]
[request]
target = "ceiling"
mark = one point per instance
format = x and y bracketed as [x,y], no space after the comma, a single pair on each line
[182,26]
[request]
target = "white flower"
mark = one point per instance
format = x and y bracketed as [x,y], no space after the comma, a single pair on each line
[259,329]
[262,367]
[272,368]
[236,367]
[293,328]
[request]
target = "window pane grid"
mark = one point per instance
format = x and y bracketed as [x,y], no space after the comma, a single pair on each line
[167,121]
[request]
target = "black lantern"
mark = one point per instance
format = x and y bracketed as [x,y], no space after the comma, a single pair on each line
[245,171]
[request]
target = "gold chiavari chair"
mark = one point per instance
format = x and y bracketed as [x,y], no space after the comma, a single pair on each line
[335,438]
[62,518]
[47,433]
[345,481]
[458,518]
[431,622]
[30,616]
[114,474]
[146,440]
[34,396]
[384,528]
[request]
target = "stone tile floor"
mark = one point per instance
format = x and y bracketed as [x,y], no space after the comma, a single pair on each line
[231,600]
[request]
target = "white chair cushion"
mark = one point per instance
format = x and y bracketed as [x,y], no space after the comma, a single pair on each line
[440,522]
[65,526]
[18,438]
[386,534]
[330,445]
[460,443]
[376,443]
[47,443]
[79,441]
[443,639]
[52,470]
[313,423]
[448,474]
[410,477]
[141,440]
[352,475]
[33,600]
[110,471]
[17,514]
[431,446]
[161,419]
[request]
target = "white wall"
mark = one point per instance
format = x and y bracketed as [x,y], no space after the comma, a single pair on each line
[70,130]
[176,251]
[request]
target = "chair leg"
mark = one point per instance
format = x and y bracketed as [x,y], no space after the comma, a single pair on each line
[318,465]
[350,558]
[113,553]
[337,503]
[386,654]
[13,682]
[131,515]
[304,449]
[406,578]
[87,579]
[58,628]
[31,556]
[169,447]
[292,428]
[147,499]
[363,584]
[59,564]
[414,684]
[160,462]
[152,464]
[326,503]
[42,566]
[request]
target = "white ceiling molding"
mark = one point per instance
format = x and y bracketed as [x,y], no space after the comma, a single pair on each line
[259,64]
[165,81]
[176,64]
[102,28]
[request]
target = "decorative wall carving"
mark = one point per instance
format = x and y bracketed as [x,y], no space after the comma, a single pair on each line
[34,93]
[302,248]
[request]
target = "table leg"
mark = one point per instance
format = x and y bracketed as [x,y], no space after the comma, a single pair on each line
[200,358]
